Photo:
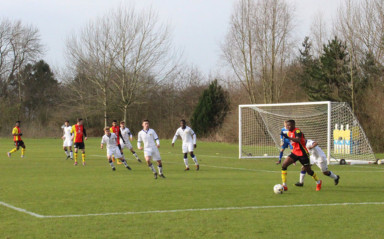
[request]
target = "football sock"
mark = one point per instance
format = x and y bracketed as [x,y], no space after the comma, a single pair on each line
[13,150]
[122,156]
[314,176]
[152,168]
[332,175]
[281,155]
[111,163]
[284,176]
[186,162]
[71,154]
[302,175]
[195,160]
[124,162]
[83,157]
[66,152]
[75,157]
[137,157]
[160,169]
[22,151]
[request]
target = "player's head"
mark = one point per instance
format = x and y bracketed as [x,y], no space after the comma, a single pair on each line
[107,131]
[291,124]
[80,121]
[183,123]
[145,124]
[114,122]
[18,123]
[66,123]
[285,123]
[122,124]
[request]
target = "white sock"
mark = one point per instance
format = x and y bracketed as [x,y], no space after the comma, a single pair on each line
[152,168]
[332,175]
[134,154]
[66,152]
[195,160]
[302,175]
[186,162]
[160,169]
[111,163]
[71,154]
[124,162]
[122,156]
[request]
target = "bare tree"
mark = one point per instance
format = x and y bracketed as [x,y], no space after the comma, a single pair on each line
[258,46]
[319,34]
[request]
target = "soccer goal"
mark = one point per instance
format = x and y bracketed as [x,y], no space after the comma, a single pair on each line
[331,124]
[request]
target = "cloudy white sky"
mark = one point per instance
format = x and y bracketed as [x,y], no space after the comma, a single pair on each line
[199,26]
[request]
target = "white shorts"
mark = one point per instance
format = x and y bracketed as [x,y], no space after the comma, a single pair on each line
[320,162]
[154,153]
[187,147]
[67,143]
[127,145]
[114,151]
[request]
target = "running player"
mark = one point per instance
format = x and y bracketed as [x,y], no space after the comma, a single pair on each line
[16,132]
[78,136]
[116,130]
[125,140]
[110,140]
[151,143]
[317,157]
[299,153]
[67,144]
[189,143]
[284,142]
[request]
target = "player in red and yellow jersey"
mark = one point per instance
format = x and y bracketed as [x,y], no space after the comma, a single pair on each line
[299,153]
[116,130]
[78,136]
[16,132]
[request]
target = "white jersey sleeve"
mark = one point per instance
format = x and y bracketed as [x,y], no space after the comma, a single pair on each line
[177,134]
[156,138]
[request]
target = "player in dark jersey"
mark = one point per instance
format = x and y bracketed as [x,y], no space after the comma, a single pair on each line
[79,135]
[299,153]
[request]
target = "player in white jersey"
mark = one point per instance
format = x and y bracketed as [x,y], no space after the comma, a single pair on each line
[125,140]
[189,143]
[67,144]
[317,156]
[112,149]
[151,143]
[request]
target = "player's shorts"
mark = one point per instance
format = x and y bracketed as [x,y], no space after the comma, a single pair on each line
[320,162]
[127,145]
[187,147]
[286,145]
[19,143]
[79,145]
[114,151]
[67,143]
[304,160]
[154,153]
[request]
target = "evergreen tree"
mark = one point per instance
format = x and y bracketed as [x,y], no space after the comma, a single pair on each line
[211,109]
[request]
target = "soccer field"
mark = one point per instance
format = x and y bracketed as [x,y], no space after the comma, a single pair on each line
[45,196]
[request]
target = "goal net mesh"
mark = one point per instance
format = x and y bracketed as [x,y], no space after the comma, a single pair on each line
[260,127]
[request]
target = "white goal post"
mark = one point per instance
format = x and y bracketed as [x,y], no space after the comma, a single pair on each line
[331,124]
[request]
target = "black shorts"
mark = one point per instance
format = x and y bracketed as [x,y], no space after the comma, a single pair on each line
[304,160]
[79,145]
[19,143]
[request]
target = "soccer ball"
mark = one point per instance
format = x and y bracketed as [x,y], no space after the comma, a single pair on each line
[278,189]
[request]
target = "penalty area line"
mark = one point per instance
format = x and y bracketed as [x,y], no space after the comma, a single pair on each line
[190,209]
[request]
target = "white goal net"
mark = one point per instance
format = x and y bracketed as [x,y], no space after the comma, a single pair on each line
[331,124]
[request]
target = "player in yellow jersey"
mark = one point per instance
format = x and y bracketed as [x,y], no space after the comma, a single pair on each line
[16,132]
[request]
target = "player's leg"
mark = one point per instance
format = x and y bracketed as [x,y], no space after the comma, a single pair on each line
[160,168]
[77,145]
[83,154]
[308,169]
[121,158]
[288,161]
[14,149]
[118,160]
[65,148]
[193,156]
[184,149]
[322,164]
[70,152]
[22,145]
[109,157]
[281,154]
[148,157]
[301,180]
[129,146]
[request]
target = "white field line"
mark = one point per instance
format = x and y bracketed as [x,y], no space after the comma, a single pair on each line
[191,209]
[261,170]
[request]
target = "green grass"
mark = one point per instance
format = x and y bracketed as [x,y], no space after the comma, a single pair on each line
[47,184]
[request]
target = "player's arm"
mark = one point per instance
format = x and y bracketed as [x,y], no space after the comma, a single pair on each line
[73,130]
[130,135]
[175,138]
[156,139]
[194,138]
[85,133]
[313,145]
[139,140]
[15,132]
[102,143]
[297,137]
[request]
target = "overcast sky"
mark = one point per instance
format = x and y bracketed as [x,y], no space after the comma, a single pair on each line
[199,26]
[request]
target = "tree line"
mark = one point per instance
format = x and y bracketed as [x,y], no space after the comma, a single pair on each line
[123,65]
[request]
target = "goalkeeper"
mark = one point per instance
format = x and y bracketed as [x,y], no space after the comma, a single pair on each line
[284,142]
